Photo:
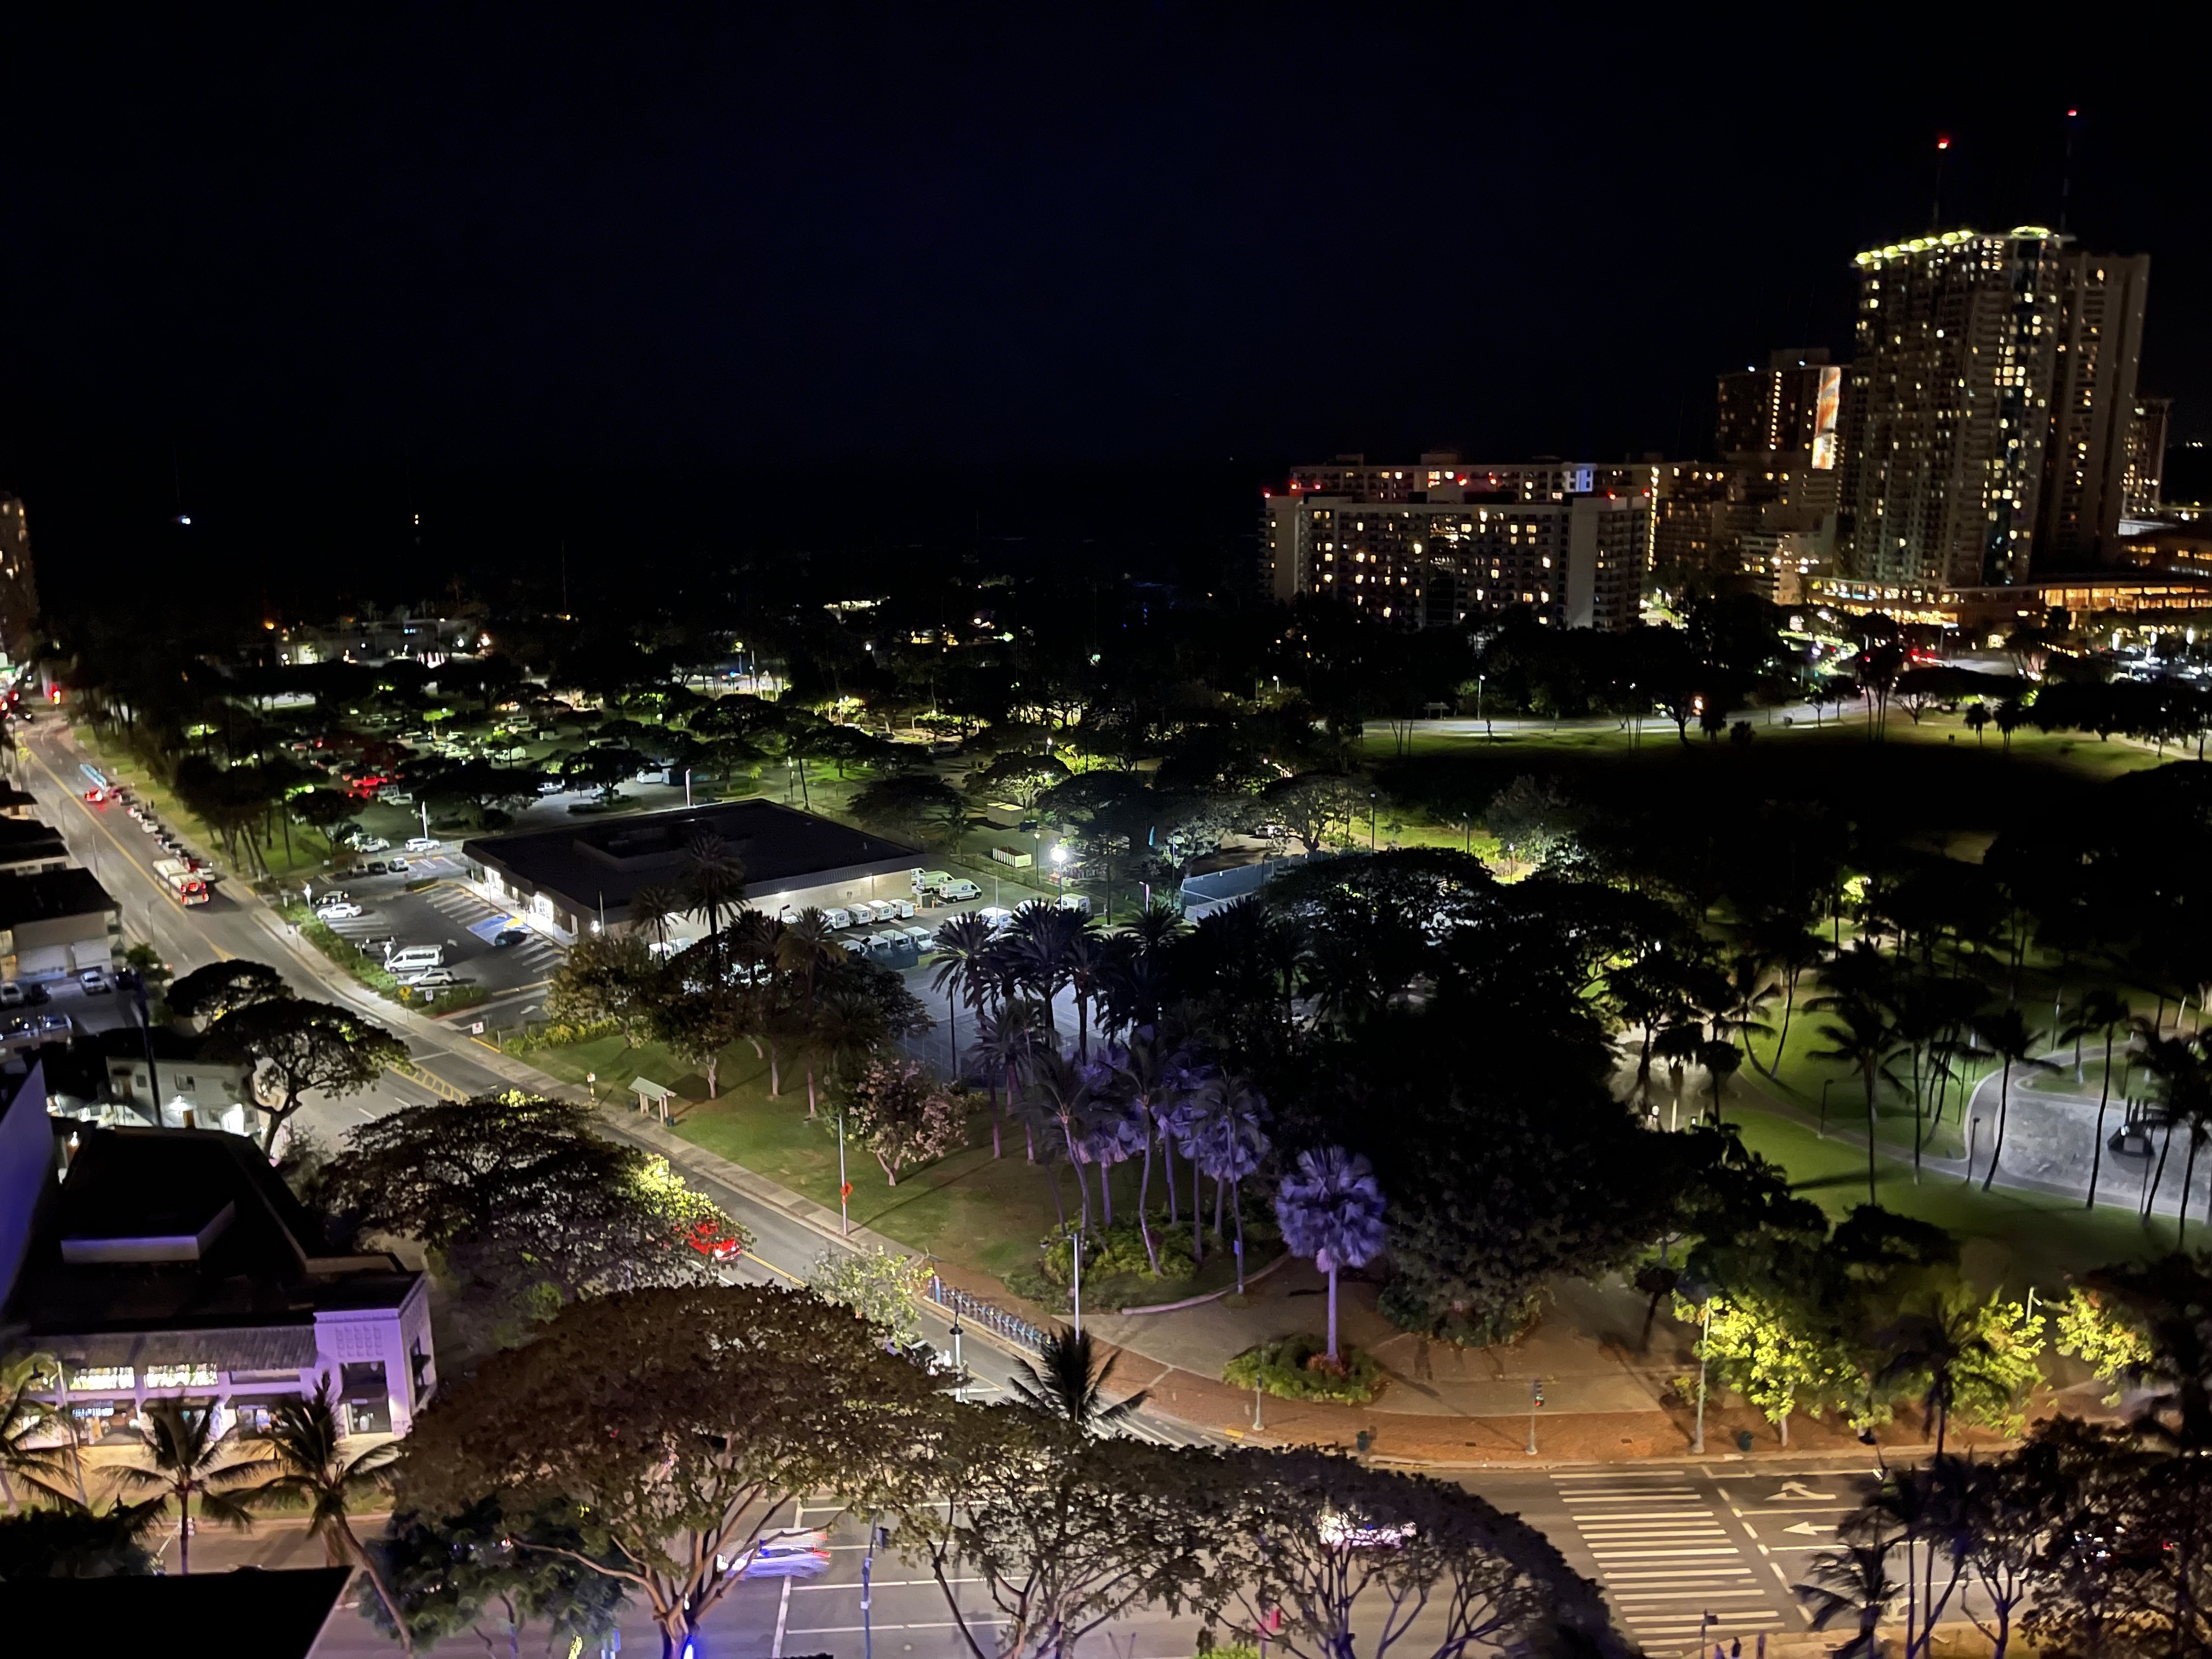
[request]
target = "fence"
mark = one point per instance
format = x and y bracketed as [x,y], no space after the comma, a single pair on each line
[989,1315]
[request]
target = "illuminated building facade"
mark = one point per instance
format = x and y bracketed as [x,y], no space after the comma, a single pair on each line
[19,590]
[1468,541]
[2143,480]
[1959,419]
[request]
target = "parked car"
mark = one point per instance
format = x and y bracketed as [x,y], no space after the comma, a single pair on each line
[342,911]
[150,824]
[996,917]
[510,936]
[336,896]
[429,979]
[95,981]
[397,866]
[422,843]
[55,1025]
[383,942]
[415,959]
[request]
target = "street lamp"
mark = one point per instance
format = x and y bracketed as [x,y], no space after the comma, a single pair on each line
[844,1186]
[1060,864]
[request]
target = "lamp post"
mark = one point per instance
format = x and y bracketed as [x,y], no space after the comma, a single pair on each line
[1704,1335]
[1078,1281]
[844,1186]
[959,1369]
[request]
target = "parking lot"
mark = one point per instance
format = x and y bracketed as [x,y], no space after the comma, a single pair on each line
[455,918]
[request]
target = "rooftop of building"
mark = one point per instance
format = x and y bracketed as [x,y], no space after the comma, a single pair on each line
[604,862]
[13,800]
[50,895]
[169,1041]
[159,1236]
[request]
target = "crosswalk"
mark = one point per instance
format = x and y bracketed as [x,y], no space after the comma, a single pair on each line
[539,954]
[1676,1573]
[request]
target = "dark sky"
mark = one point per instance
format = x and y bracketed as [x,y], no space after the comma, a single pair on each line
[409,244]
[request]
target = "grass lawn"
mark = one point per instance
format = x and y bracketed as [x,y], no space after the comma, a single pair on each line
[2009,1238]
[978,1213]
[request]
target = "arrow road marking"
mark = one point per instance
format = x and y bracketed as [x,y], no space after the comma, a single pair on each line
[1798,1489]
[1808,1529]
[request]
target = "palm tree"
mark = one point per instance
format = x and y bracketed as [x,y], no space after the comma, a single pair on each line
[1742,1011]
[1061,1094]
[1069,1385]
[2100,1011]
[656,905]
[26,1422]
[1852,1582]
[804,945]
[2005,1035]
[1860,1036]
[961,943]
[304,1441]
[1331,1210]
[1235,1143]
[1084,957]
[713,877]
[1935,1345]
[186,1459]
[1721,1060]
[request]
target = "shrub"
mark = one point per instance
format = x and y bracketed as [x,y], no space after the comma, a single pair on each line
[1118,1249]
[1289,1370]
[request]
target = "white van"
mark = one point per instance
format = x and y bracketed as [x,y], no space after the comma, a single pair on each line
[952,892]
[928,881]
[415,959]
[996,918]
[838,918]
[886,910]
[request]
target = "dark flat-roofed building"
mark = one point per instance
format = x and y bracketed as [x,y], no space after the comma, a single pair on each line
[176,1263]
[576,879]
[251,1613]
[16,803]
[55,923]
[29,846]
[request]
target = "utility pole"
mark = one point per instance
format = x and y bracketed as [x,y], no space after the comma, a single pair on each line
[1078,1281]
[844,1186]
[1535,1404]
[1704,1335]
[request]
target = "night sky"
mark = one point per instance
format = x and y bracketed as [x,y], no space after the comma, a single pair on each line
[311,276]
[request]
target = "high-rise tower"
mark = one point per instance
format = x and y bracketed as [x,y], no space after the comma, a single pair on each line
[1970,436]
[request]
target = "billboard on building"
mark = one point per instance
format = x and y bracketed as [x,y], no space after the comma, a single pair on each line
[1825,407]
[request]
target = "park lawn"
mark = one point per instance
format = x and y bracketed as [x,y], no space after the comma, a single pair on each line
[987,1215]
[2010,1238]
[308,851]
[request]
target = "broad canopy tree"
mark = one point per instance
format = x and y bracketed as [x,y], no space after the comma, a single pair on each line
[296,1046]
[672,1427]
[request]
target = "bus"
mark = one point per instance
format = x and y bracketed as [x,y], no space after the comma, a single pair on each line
[186,884]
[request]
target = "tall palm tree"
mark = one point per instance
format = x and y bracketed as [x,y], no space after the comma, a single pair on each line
[653,906]
[1741,1013]
[304,1443]
[714,878]
[184,1459]
[1068,1386]
[1061,1092]
[1086,959]
[28,1453]
[1860,1035]
[1330,1209]
[801,949]
[2101,1012]
[1791,950]
[960,944]
[2004,1033]
[1236,1141]
[1934,1345]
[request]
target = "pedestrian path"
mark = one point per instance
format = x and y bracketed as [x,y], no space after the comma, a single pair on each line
[1676,1574]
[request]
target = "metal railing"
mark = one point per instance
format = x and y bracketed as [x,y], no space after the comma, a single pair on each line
[989,1315]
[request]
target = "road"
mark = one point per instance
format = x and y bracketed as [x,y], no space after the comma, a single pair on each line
[1687,1553]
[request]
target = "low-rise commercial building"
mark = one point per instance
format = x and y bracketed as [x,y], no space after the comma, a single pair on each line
[55,923]
[174,1263]
[2084,598]
[586,879]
